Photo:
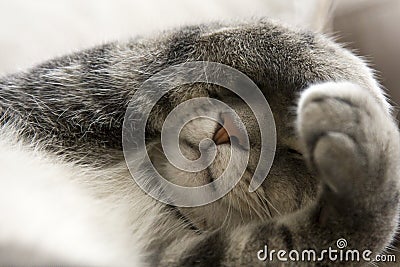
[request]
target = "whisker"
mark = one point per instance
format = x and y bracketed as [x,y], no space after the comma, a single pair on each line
[264,204]
[251,207]
[227,219]
[271,205]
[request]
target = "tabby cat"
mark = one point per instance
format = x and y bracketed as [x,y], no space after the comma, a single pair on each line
[69,199]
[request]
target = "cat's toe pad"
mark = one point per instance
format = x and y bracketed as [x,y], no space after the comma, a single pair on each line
[338,161]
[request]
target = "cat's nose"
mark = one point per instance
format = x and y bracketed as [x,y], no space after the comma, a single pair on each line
[229,131]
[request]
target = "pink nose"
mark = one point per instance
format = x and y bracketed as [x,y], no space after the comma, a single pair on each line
[228,130]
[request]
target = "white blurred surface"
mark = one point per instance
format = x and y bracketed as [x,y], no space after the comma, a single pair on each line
[36,30]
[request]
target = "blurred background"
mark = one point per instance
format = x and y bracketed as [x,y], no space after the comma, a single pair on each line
[371,27]
[33,31]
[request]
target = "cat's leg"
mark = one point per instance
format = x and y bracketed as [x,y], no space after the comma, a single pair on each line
[352,144]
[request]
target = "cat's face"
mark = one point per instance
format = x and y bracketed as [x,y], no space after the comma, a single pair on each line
[287,187]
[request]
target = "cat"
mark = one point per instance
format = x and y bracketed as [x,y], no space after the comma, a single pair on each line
[335,172]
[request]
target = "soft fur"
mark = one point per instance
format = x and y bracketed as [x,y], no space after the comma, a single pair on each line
[335,173]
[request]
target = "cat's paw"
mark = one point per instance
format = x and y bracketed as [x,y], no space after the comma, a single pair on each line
[349,137]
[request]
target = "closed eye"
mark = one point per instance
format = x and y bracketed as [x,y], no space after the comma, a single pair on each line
[294,152]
